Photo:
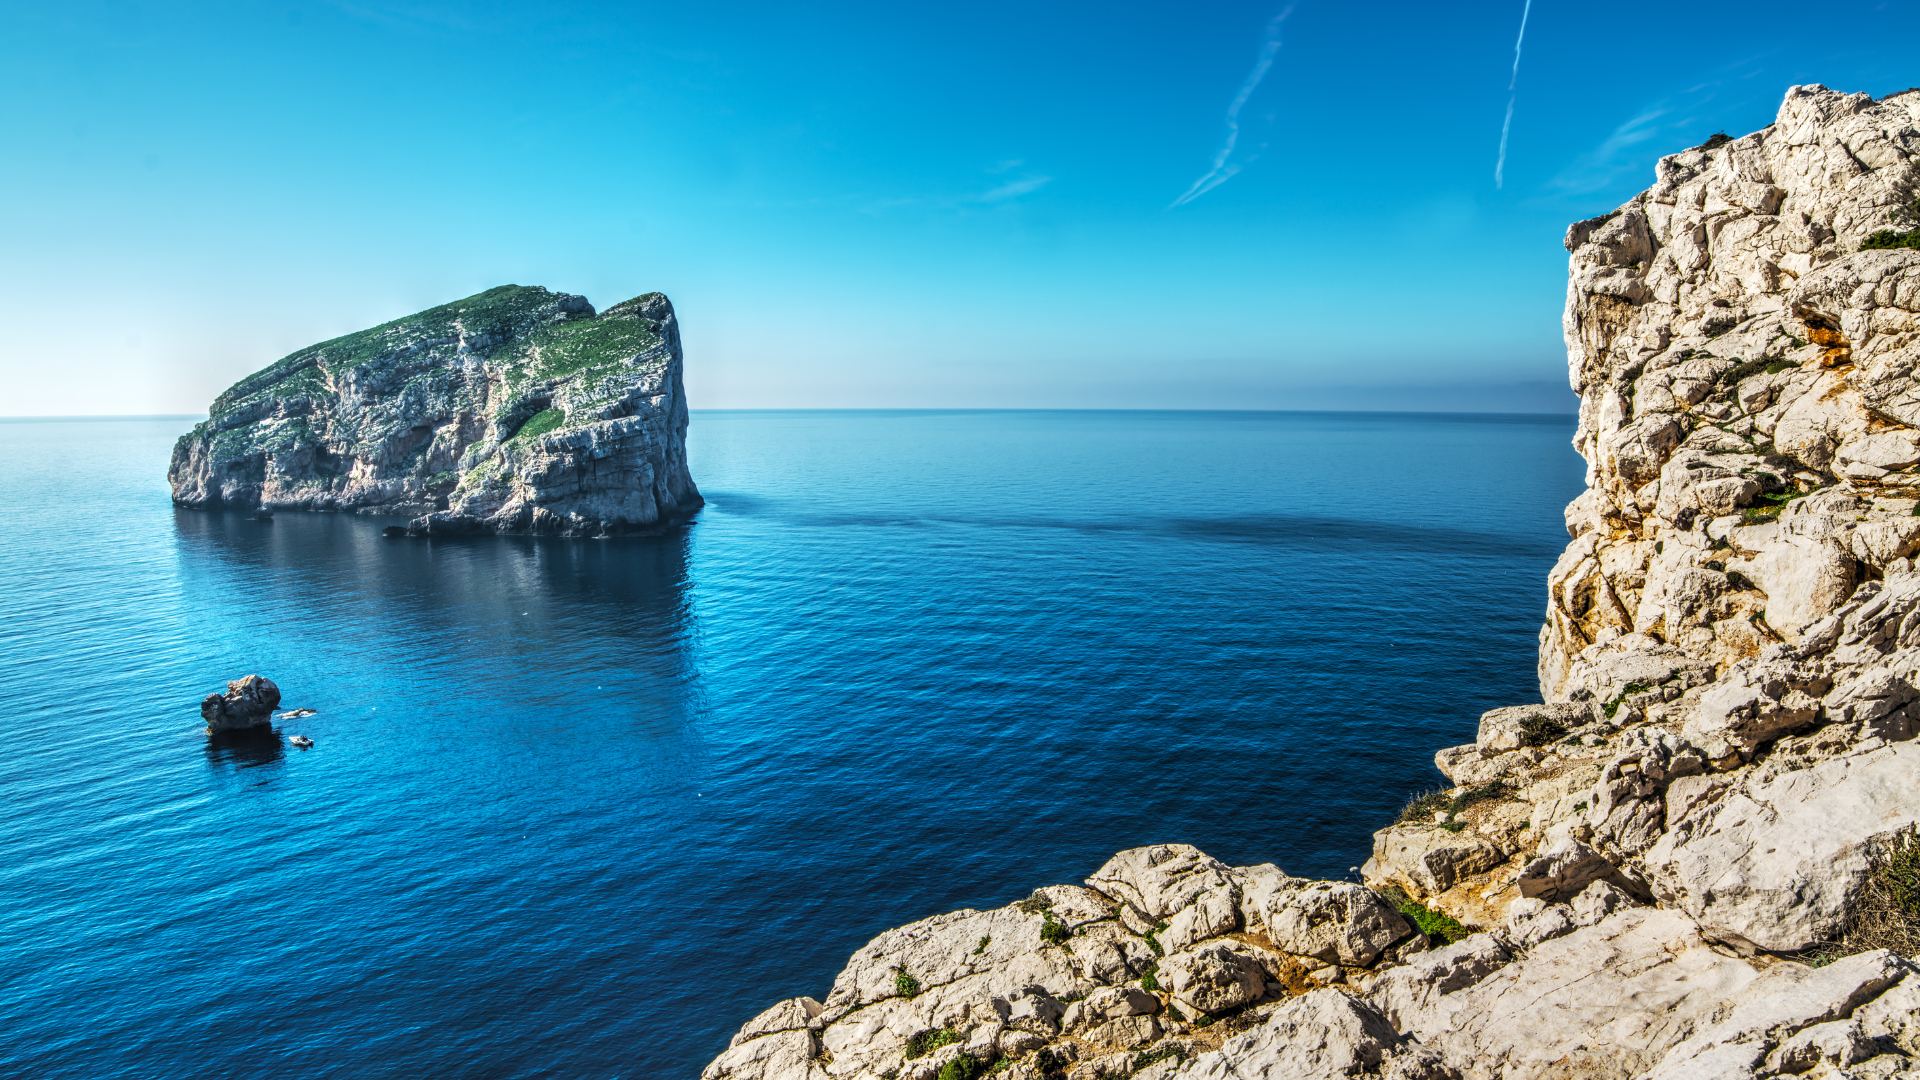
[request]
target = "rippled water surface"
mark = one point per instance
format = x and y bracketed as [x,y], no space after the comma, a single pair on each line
[580,808]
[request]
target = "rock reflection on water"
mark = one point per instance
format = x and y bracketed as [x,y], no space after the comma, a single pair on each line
[488,631]
[246,749]
[309,568]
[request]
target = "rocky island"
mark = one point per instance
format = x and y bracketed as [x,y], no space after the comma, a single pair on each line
[1697,856]
[515,410]
[247,705]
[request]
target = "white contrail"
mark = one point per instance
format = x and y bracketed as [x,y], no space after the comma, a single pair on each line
[1513,89]
[1221,172]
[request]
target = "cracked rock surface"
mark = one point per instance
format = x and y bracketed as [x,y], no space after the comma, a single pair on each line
[1651,871]
[515,410]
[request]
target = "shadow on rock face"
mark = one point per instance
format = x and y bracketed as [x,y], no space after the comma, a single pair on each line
[245,749]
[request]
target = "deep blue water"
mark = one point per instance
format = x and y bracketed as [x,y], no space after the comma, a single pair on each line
[580,808]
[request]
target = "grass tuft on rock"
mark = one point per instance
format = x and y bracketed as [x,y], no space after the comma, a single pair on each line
[1053,931]
[1152,936]
[1747,369]
[904,984]
[1907,214]
[1770,505]
[971,1068]
[1033,905]
[1439,927]
[1051,1063]
[1627,691]
[926,1042]
[960,1068]
[1539,729]
[1886,912]
[1422,806]
[1889,239]
[1479,793]
[1148,1058]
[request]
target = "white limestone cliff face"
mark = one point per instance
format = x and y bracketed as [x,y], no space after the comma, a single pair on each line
[1733,346]
[1662,867]
[515,410]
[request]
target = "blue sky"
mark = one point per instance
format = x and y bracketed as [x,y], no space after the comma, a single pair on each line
[1240,205]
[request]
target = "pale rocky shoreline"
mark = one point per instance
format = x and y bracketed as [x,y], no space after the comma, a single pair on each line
[1660,870]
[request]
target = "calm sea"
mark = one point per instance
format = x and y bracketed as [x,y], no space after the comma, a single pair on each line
[580,808]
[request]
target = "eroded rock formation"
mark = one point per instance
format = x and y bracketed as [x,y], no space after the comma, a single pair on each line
[516,410]
[1657,870]
[247,705]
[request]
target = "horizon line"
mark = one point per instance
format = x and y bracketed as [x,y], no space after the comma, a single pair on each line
[1568,413]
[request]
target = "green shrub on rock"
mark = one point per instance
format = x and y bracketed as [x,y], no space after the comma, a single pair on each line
[1053,931]
[1421,808]
[971,1068]
[1439,927]
[1540,729]
[1887,239]
[926,1042]
[904,984]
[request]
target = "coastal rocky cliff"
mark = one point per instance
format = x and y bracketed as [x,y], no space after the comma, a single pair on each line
[516,410]
[1697,856]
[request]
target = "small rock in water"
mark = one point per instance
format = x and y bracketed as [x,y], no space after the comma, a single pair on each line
[302,742]
[263,515]
[293,714]
[393,531]
[248,704]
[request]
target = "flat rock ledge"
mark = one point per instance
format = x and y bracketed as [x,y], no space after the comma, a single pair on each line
[1662,869]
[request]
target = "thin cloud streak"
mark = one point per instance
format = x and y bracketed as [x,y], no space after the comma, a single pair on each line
[1004,192]
[1014,189]
[1513,94]
[1221,171]
[1600,167]
[1669,124]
